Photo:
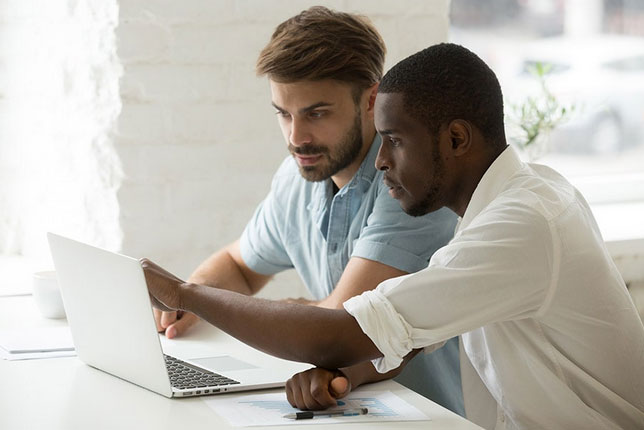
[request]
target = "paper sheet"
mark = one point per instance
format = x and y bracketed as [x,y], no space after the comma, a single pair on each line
[30,343]
[4,355]
[269,409]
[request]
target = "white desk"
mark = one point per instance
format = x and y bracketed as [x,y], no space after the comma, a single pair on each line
[64,393]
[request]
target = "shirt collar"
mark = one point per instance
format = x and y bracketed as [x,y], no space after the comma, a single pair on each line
[491,184]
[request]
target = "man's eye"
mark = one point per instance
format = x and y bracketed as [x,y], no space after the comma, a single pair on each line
[394,142]
[316,114]
[282,114]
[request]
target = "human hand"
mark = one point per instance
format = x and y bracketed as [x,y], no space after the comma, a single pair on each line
[163,286]
[174,323]
[317,388]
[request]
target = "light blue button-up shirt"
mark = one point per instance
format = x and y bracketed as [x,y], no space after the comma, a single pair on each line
[303,225]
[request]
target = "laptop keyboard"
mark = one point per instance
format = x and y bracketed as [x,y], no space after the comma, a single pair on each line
[184,375]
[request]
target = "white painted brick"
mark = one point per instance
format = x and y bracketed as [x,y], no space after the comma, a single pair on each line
[398,8]
[178,12]
[191,83]
[142,42]
[178,247]
[212,122]
[160,83]
[199,162]
[209,197]
[408,35]
[142,122]
[226,122]
[154,238]
[200,44]
[279,10]
[414,33]
[149,237]
[136,199]
[222,208]
[161,164]
[196,123]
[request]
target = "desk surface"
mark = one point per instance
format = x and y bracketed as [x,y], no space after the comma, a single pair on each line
[64,393]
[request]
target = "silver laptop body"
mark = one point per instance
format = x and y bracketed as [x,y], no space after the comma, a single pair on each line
[108,309]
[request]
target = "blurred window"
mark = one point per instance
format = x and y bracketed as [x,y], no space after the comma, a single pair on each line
[633,64]
[595,55]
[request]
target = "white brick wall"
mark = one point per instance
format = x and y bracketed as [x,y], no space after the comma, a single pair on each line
[154,136]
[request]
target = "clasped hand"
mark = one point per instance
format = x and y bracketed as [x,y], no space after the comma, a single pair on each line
[317,388]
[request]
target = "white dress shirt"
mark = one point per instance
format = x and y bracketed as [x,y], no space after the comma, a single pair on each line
[545,317]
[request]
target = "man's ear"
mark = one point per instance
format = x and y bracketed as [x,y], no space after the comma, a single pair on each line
[460,135]
[373,92]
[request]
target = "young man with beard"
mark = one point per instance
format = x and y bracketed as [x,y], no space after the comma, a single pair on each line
[545,318]
[328,214]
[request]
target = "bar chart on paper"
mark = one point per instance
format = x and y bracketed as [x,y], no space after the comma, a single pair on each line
[269,409]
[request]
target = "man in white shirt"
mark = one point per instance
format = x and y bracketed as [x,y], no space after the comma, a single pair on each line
[545,318]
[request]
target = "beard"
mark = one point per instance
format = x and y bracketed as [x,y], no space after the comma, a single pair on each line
[334,160]
[428,202]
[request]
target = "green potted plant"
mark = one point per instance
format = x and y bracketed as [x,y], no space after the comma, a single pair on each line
[531,121]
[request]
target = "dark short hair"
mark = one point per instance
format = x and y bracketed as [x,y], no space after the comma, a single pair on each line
[320,43]
[446,82]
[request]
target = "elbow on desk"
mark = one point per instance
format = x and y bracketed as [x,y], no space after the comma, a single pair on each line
[340,346]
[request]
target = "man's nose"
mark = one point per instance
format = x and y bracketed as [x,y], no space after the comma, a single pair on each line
[300,134]
[382,159]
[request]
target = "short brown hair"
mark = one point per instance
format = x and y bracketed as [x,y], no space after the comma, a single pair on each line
[320,43]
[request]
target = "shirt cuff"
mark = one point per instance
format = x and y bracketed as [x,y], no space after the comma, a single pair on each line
[386,328]
[392,256]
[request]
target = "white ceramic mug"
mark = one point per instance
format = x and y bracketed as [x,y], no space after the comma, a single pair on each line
[47,294]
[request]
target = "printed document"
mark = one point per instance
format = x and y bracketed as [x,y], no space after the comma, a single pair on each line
[269,409]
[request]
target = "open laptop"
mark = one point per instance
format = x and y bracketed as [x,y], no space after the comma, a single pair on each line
[108,309]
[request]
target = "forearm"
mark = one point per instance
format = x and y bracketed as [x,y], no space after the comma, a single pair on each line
[323,337]
[365,372]
[225,269]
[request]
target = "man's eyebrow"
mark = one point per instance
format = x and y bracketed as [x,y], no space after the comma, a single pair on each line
[305,109]
[386,132]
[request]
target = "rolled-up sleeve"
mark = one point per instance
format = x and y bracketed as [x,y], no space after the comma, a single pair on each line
[385,327]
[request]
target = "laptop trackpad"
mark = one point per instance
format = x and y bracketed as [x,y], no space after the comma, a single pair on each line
[222,363]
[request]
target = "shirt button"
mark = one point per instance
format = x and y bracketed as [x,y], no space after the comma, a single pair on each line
[333,247]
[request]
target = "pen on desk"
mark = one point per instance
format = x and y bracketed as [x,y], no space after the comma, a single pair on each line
[340,412]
